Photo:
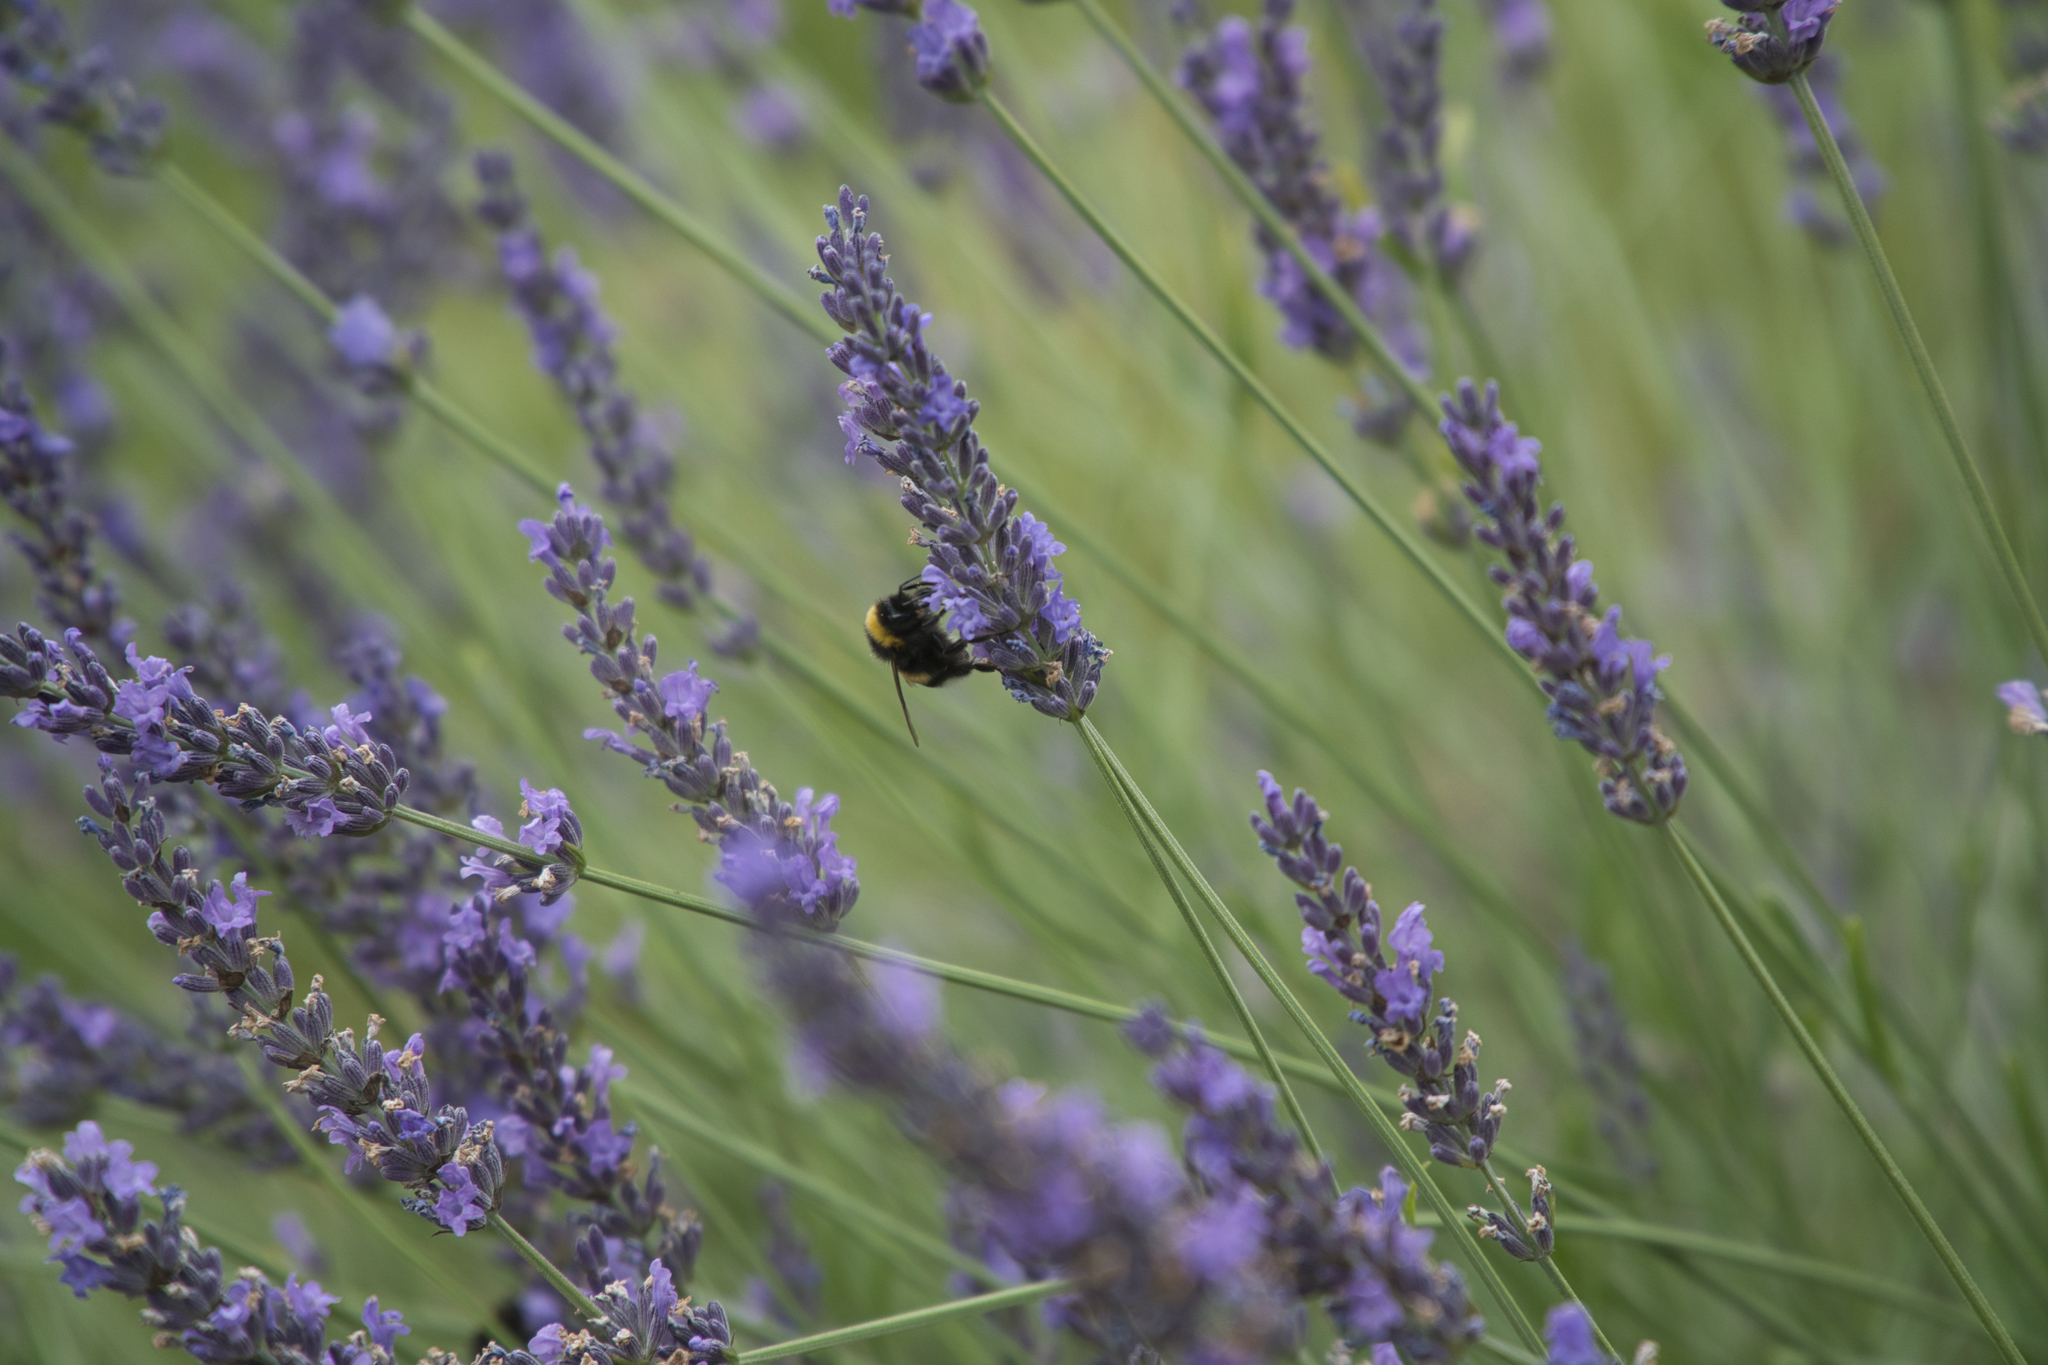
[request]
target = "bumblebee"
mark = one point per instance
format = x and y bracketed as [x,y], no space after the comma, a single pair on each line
[904,632]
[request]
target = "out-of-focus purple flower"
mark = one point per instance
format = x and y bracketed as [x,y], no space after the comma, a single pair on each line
[1405,52]
[362,335]
[80,91]
[951,51]
[1809,201]
[1607,1060]
[1251,83]
[1777,42]
[990,566]
[1568,1332]
[2024,711]
[770,114]
[572,344]
[1521,38]
[2022,118]
[1602,688]
[38,482]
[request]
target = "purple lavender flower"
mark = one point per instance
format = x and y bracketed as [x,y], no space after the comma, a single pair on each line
[1406,55]
[782,860]
[2024,711]
[1608,1062]
[1352,1252]
[38,482]
[1806,202]
[80,91]
[1602,688]
[771,115]
[951,51]
[572,344]
[88,1202]
[1341,937]
[1568,1332]
[1251,84]
[1774,43]
[990,566]
[1521,38]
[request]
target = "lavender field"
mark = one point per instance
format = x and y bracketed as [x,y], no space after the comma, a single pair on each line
[715,681]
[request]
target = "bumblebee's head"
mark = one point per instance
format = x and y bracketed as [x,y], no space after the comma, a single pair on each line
[880,637]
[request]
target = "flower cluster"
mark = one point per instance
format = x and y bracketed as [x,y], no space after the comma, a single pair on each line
[35,481]
[781,859]
[1407,166]
[990,566]
[950,49]
[1776,41]
[1251,84]
[1811,182]
[557,1116]
[80,91]
[59,1054]
[1341,936]
[1602,688]
[572,345]
[329,780]
[641,1320]
[552,833]
[88,1202]
[1352,1252]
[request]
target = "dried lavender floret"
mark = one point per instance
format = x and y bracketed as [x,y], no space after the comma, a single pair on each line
[774,855]
[990,566]
[1775,41]
[1602,687]
[1342,939]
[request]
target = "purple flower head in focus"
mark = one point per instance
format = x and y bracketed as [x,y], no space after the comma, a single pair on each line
[1777,42]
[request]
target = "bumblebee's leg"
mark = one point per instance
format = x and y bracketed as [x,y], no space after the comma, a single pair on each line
[897,673]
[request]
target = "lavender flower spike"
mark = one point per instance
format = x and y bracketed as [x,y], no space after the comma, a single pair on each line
[88,1202]
[80,91]
[1521,37]
[1342,939]
[1251,85]
[2024,711]
[1602,688]
[1407,166]
[990,566]
[781,859]
[1776,40]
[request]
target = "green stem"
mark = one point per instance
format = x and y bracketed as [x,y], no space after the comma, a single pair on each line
[1393,527]
[1416,1170]
[1098,751]
[1923,365]
[1840,1093]
[907,1322]
[628,181]
[549,1271]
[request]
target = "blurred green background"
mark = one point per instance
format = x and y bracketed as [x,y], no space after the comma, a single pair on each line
[1723,409]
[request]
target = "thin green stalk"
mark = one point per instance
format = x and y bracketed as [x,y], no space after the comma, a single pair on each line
[1549,1263]
[1923,365]
[628,181]
[549,1271]
[907,1322]
[1418,1173]
[317,1161]
[1217,965]
[1817,1059]
[1393,527]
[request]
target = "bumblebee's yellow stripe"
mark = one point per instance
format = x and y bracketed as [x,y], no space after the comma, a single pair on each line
[880,633]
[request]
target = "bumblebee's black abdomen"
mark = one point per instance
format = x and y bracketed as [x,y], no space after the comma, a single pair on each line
[902,631]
